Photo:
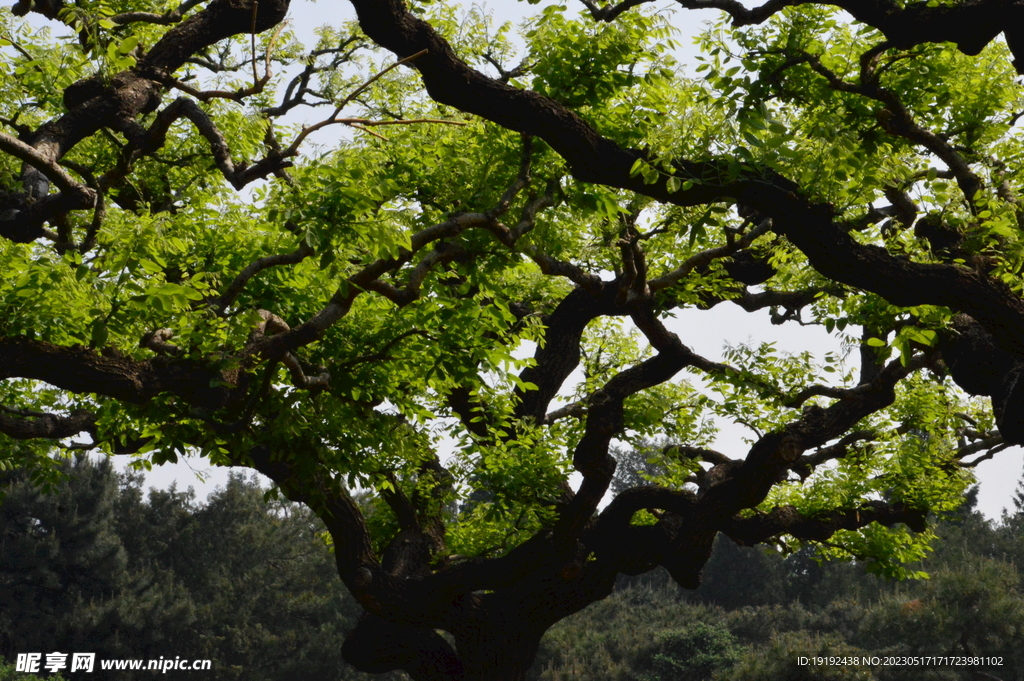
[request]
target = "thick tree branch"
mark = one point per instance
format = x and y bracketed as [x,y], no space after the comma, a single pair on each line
[704,258]
[94,104]
[746,485]
[22,424]
[787,520]
[806,464]
[376,646]
[83,371]
[167,18]
[971,25]
[52,170]
[611,12]
[559,355]
[604,420]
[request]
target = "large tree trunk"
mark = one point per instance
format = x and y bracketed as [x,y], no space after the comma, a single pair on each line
[489,649]
[376,646]
[498,651]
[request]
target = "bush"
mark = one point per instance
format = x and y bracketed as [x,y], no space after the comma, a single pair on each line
[689,654]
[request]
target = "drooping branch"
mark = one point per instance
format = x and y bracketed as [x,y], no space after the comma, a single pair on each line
[971,25]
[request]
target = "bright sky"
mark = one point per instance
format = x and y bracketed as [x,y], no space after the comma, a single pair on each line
[706,332]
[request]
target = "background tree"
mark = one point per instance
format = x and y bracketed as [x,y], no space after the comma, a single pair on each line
[61,561]
[331,324]
[241,580]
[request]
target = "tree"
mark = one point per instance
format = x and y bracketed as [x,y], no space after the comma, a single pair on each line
[243,580]
[60,560]
[181,279]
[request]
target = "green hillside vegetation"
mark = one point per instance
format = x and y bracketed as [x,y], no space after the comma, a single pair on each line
[98,566]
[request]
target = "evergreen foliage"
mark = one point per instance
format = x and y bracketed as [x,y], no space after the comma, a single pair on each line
[97,566]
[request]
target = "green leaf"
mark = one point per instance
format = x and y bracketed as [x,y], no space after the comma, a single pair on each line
[128,44]
[98,335]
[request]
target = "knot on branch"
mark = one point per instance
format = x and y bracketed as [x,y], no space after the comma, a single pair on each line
[157,341]
[82,91]
[272,325]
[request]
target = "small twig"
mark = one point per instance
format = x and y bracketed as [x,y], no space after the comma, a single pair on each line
[362,88]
